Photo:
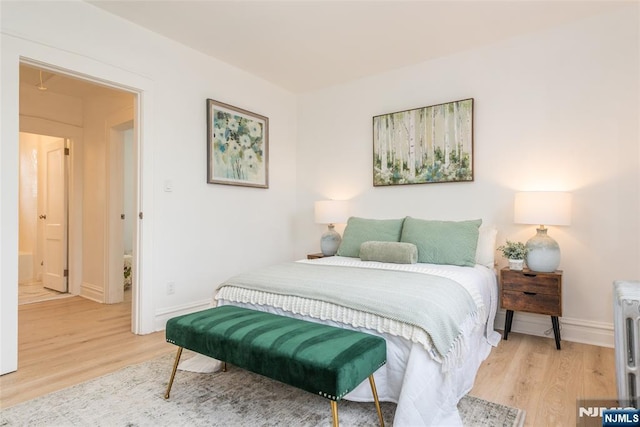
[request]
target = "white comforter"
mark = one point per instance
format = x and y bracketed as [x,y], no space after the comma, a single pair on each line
[425,393]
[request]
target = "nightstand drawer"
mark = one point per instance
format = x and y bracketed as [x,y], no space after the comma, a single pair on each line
[549,287]
[531,302]
[540,283]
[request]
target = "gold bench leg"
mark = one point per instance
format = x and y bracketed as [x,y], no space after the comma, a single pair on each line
[334,412]
[173,374]
[334,404]
[375,399]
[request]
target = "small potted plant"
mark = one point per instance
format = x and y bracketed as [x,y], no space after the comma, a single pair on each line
[515,253]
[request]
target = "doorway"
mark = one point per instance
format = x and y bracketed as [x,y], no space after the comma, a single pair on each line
[43,218]
[78,114]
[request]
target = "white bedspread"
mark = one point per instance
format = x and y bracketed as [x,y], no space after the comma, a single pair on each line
[425,393]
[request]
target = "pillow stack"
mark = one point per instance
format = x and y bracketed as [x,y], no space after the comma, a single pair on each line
[409,240]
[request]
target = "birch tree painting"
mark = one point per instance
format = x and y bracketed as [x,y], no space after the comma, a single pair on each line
[424,145]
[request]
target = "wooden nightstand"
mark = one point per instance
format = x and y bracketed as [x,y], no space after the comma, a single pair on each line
[533,292]
[318,255]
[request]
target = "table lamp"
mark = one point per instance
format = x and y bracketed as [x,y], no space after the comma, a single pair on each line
[330,212]
[543,208]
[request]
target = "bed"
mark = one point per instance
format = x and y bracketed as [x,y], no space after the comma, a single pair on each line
[436,314]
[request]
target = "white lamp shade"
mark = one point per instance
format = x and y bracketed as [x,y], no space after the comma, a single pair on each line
[331,212]
[543,208]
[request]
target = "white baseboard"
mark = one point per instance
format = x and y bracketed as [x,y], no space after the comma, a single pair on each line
[92,292]
[576,330]
[165,314]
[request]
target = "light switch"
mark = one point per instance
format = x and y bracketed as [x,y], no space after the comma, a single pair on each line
[168,186]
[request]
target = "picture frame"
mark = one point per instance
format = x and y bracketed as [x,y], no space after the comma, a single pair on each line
[425,145]
[237,146]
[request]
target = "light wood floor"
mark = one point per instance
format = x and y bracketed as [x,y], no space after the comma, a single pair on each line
[34,291]
[69,341]
[528,372]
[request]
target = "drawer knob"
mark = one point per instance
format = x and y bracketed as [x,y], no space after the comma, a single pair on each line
[529,293]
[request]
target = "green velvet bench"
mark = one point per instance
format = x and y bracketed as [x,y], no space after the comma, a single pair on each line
[321,359]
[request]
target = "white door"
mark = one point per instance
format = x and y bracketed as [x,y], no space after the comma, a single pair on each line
[55,216]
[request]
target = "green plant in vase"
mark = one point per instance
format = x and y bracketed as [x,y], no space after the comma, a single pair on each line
[515,252]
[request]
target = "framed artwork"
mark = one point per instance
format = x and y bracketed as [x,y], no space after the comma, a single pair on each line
[237,146]
[425,145]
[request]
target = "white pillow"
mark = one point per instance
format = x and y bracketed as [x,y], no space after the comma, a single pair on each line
[486,249]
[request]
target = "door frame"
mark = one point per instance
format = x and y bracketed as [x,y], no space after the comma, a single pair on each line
[19,49]
[16,49]
[142,312]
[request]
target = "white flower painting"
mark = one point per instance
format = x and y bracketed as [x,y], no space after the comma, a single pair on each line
[237,146]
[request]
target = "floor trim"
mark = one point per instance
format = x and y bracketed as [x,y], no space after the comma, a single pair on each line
[163,315]
[576,330]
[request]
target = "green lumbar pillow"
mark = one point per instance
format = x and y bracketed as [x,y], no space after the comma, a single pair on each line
[395,252]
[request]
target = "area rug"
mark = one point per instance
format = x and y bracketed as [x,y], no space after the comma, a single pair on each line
[133,396]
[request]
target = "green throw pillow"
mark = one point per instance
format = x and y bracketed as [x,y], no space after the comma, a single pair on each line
[443,242]
[360,230]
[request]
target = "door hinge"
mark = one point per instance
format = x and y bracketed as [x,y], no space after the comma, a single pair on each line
[140,215]
[66,151]
[65,273]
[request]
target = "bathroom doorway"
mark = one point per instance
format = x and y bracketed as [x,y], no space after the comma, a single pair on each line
[68,220]
[43,219]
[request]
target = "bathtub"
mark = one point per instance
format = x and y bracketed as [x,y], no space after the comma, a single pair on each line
[25,267]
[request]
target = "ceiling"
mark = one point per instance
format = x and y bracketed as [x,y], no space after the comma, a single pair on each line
[49,82]
[307,45]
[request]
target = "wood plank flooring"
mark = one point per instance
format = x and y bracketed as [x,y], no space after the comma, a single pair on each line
[528,372]
[34,291]
[68,341]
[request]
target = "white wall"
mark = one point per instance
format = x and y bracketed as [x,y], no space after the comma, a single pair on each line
[30,146]
[554,110]
[198,234]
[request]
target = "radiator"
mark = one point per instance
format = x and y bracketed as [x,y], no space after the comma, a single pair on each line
[626,325]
